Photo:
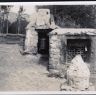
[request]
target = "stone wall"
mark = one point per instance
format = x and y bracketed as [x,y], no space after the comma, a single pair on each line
[57,52]
[54,52]
[93,55]
[62,47]
[58,48]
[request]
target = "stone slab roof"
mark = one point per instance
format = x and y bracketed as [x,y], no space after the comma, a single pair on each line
[73,31]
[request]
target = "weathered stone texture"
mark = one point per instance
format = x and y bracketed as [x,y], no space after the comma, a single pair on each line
[54,52]
[57,55]
[78,74]
[31,41]
[62,47]
[43,18]
[77,71]
[93,55]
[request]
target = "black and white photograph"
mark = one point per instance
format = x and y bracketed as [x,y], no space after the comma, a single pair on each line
[47,47]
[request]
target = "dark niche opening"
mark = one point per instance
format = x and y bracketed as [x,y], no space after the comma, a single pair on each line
[43,41]
[78,46]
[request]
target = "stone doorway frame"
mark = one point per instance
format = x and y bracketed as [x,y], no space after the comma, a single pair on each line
[47,39]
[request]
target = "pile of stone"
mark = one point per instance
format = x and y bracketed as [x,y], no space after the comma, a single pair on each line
[78,76]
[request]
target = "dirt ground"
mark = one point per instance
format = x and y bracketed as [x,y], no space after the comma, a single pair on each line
[24,73]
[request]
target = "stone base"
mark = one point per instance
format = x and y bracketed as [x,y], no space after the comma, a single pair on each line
[53,73]
[66,87]
[60,71]
[27,52]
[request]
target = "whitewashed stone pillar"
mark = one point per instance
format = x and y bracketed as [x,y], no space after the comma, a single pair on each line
[31,40]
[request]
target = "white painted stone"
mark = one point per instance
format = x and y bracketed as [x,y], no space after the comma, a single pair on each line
[78,73]
[43,18]
[31,41]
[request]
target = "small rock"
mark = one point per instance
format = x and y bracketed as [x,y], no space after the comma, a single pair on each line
[65,87]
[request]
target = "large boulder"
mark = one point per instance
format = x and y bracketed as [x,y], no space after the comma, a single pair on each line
[78,74]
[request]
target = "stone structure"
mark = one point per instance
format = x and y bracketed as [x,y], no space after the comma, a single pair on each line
[78,74]
[61,50]
[40,25]
[59,41]
[63,46]
[31,38]
[63,42]
[43,19]
[31,41]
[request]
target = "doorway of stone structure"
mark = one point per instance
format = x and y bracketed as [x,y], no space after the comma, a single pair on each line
[43,43]
[78,46]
